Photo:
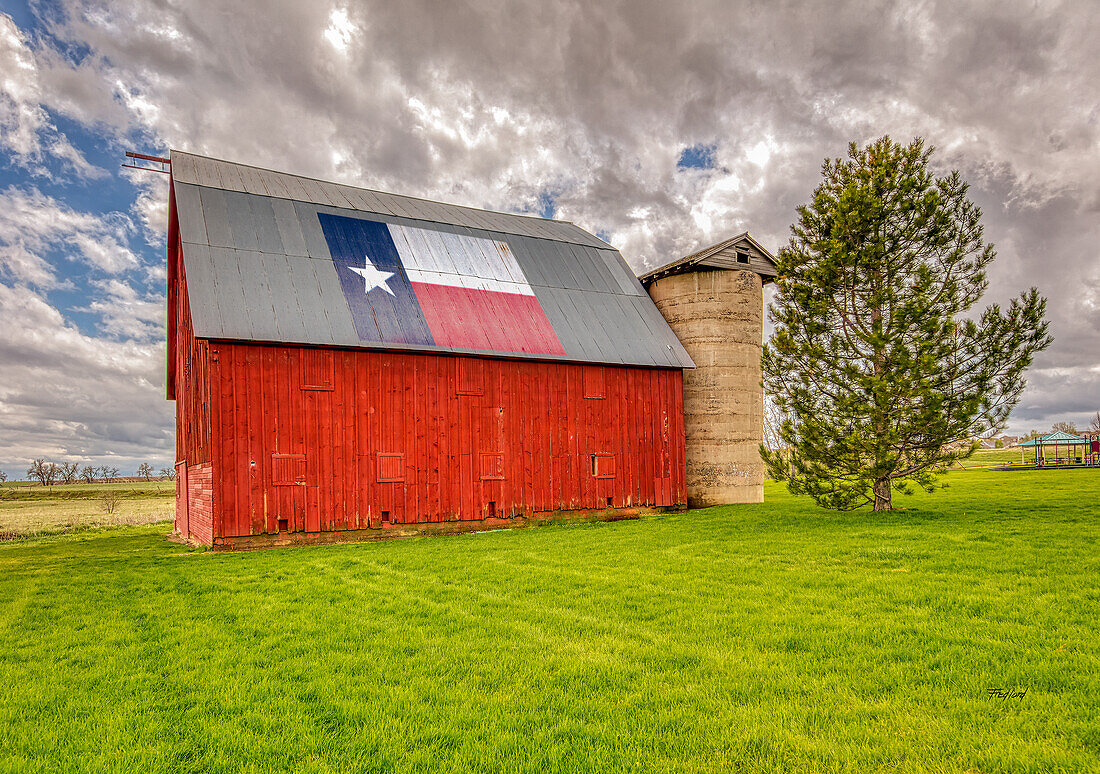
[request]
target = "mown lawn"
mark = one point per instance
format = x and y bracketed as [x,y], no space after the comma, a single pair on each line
[754,638]
[995,457]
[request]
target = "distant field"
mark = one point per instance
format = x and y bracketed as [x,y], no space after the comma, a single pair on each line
[985,458]
[27,508]
[757,638]
[993,457]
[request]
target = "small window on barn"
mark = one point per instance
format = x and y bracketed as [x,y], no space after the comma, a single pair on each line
[469,376]
[492,467]
[391,467]
[742,257]
[603,465]
[595,382]
[288,469]
[317,369]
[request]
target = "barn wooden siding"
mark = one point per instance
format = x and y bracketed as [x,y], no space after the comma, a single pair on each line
[311,439]
[189,385]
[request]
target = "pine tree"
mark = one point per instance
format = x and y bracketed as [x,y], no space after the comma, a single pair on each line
[879,372]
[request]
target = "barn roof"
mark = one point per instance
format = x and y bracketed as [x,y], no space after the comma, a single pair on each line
[279,258]
[740,252]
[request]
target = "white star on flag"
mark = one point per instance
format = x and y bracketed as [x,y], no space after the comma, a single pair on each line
[374,278]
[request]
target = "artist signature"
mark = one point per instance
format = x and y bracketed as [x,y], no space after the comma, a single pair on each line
[1006,693]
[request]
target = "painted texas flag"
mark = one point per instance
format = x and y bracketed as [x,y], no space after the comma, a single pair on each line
[408,285]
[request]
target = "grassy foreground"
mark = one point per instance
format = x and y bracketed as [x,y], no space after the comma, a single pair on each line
[753,638]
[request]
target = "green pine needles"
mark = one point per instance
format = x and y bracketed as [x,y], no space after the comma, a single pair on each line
[874,364]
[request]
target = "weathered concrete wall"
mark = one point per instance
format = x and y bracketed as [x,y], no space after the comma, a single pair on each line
[719,318]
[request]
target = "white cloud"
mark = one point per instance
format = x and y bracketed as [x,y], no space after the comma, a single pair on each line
[26,131]
[151,206]
[127,314]
[32,224]
[340,30]
[68,396]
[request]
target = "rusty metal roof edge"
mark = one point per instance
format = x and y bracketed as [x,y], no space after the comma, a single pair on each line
[702,255]
[466,207]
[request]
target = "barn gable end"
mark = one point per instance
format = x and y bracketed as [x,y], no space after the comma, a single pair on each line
[345,359]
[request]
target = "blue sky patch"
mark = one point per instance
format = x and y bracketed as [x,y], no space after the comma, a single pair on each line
[697,157]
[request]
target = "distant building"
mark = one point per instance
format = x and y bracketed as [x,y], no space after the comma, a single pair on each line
[999,442]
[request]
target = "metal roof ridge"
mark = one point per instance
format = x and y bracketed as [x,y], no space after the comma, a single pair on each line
[1059,435]
[377,191]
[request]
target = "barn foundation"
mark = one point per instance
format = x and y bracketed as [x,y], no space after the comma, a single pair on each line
[426,529]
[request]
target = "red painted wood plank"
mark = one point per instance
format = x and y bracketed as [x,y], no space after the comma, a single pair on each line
[572,406]
[288,499]
[408,403]
[298,444]
[255,441]
[224,516]
[241,520]
[433,395]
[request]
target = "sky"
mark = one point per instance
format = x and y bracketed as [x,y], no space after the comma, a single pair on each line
[661,127]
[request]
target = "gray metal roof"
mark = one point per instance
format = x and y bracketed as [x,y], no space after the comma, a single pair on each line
[277,258]
[741,252]
[227,176]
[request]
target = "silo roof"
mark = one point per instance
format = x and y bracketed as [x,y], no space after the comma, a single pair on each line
[274,257]
[741,252]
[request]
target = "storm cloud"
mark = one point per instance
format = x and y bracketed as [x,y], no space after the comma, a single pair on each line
[579,110]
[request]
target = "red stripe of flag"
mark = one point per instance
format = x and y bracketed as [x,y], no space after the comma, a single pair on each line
[469,318]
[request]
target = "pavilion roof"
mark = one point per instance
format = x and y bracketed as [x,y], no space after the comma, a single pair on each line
[1059,438]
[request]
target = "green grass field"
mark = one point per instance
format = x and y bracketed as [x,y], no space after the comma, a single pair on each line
[765,638]
[986,458]
[991,457]
[30,509]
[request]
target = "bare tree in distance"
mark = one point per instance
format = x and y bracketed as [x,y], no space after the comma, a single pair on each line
[109,501]
[46,473]
[109,473]
[68,472]
[1094,425]
[145,470]
[168,473]
[1064,427]
[3,477]
[773,421]
[88,474]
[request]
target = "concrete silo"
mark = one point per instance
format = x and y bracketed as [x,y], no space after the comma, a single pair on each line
[713,300]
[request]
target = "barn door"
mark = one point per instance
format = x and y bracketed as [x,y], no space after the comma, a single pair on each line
[183,525]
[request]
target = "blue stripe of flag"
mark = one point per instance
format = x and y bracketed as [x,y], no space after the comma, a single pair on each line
[378,315]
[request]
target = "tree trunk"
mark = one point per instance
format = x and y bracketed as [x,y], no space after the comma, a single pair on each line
[882,485]
[883,495]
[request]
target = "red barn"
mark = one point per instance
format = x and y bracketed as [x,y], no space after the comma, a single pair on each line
[349,360]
